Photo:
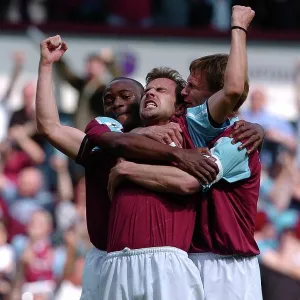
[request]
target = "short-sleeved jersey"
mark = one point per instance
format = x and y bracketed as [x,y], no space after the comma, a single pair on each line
[200,126]
[140,218]
[226,215]
[97,164]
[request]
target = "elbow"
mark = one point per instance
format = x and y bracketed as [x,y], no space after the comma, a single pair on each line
[234,93]
[190,186]
[47,129]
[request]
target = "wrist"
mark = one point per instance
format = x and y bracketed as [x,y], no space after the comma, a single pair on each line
[239,28]
[44,63]
[175,156]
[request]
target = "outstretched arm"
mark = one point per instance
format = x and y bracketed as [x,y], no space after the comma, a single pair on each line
[224,102]
[232,164]
[137,147]
[18,64]
[66,139]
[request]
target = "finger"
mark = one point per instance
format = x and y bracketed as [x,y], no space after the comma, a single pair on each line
[175,126]
[167,139]
[255,147]
[242,136]
[179,137]
[174,139]
[211,173]
[205,151]
[239,130]
[64,46]
[212,164]
[238,124]
[249,142]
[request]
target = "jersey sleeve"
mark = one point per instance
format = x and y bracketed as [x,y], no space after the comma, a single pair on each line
[233,163]
[201,127]
[93,130]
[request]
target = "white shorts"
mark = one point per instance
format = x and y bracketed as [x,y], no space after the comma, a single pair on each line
[91,274]
[160,273]
[228,277]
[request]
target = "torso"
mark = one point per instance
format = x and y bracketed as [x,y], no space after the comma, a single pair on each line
[141,219]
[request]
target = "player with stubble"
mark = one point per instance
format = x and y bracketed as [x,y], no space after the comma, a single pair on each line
[121,100]
[132,210]
[223,246]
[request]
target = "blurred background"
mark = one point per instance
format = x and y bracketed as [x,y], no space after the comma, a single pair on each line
[43,235]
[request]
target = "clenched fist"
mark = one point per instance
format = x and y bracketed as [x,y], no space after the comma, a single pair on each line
[52,49]
[242,16]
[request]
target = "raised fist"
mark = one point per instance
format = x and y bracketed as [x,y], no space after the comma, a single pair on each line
[52,49]
[242,16]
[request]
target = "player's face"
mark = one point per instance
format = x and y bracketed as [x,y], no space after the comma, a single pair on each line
[158,102]
[121,102]
[196,91]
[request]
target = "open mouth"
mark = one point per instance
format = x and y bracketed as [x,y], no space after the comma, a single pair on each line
[150,103]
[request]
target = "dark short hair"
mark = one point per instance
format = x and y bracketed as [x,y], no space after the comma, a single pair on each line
[165,72]
[214,67]
[137,84]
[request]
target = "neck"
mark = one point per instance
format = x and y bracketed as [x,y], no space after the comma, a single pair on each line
[155,122]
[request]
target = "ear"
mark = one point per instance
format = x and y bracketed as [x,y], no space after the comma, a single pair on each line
[180,109]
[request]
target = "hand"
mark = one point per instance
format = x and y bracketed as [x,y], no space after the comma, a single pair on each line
[52,49]
[242,16]
[19,58]
[165,134]
[250,135]
[17,133]
[116,176]
[199,163]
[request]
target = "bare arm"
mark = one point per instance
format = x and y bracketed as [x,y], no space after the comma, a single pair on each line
[137,147]
[64,181]
[164,179]
[32,149]
[223,103]
[66,139]
[18,58]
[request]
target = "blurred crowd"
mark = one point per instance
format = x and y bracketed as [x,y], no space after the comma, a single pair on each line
[43,234]
[270,14]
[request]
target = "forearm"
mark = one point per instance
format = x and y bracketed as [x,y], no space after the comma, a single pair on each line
[163,179]
[281,193]
[64,138]
[15,74]
[32,149]
[223,103]
[64,186]
[137,147]
[47,116]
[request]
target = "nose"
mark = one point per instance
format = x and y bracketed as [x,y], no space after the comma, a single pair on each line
[184,92]
[150,93]
[118,103]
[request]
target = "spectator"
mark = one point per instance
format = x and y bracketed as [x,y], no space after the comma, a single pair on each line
[90,87]
[41,264]
[279,133]
[26,196]
[5,112]
[7,264]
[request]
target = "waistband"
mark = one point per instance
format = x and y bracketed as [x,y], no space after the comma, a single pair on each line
[210,255]
[134,252]
[96,251]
